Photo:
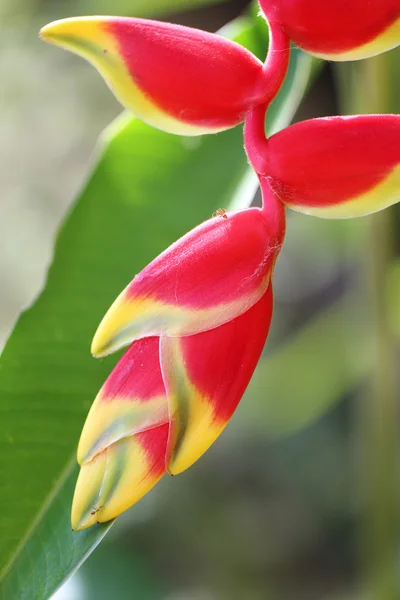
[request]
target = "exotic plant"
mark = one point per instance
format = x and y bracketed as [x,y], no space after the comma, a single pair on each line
[196,318]
[192,324]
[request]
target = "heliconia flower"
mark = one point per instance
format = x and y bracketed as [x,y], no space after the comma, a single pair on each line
[178,79]
[211,275]
[338,29]
[336,167]
[198,317]
[162,407]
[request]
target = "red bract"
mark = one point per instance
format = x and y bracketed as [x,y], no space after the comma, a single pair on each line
[338,29]
[336,167]
[206,376]
[178,79]
[208,277]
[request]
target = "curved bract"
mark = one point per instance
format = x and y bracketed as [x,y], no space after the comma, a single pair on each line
[339,29]
[126,405]
[205,377]
[337,167]
[211,275]
[118,477]
[124,440]
[176,78]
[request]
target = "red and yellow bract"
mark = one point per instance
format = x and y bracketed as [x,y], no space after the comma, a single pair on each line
[211,275]
[205,377]
[337,167]
[176,78]
[123,443]
[338,29]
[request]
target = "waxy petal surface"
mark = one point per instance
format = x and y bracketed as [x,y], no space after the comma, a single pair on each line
[118,477]
[132,400]
[337,167]
[211,275]
[338,29]
[178,79]
[206,376]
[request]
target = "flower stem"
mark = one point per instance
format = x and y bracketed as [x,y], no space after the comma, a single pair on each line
[274,72]
[274,211]
[277,61]
[365,87]
[255,142]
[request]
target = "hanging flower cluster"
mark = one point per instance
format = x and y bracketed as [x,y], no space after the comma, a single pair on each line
[197,317]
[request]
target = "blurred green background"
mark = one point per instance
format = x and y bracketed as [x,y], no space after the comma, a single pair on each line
[281,507]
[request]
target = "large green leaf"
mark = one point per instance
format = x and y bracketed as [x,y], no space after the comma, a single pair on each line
[147,189]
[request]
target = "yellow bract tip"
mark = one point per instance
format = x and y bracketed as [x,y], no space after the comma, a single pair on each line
[109,335]
[74,27]
[112,482]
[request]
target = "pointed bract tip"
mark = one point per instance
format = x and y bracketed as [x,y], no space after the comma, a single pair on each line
[73,27]
[118,477]
[112,332]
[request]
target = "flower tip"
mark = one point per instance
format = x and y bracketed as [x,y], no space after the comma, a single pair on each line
[118,327]
[118,477]
[72,32]
[56,29]
[102,343]
[50,30]
[97,349]
[43,32]
[81,520]
[77,525]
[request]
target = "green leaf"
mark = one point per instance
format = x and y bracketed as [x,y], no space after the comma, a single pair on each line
[146,190]
[54,552]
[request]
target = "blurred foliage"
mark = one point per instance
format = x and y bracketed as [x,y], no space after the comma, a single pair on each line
[331,371]
[138,8]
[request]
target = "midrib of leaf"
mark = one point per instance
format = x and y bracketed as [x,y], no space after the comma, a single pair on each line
[42,512]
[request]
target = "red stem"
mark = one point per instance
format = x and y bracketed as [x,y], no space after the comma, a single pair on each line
[273,210]
[274,72]
[255,142]
[277,60]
